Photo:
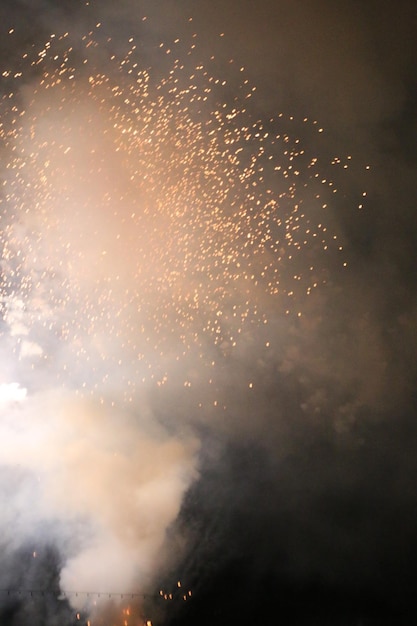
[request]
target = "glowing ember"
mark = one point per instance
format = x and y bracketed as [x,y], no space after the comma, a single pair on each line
[148,221]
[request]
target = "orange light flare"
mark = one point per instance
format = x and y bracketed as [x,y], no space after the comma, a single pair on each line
[124,616]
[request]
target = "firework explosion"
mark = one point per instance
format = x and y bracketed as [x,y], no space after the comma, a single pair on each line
[151,227]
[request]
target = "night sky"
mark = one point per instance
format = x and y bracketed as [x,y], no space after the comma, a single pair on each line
[208,328]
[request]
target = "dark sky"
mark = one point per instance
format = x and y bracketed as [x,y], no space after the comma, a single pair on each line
[303,503]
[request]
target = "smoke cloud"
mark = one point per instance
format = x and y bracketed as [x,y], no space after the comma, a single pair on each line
[163,414]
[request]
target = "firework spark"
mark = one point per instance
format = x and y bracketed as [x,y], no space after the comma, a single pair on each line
[133,203]
[150,224]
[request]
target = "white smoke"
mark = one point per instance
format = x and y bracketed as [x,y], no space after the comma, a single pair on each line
[90,467]
[121,475]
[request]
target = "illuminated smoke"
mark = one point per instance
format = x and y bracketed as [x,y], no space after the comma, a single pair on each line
[150,228]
